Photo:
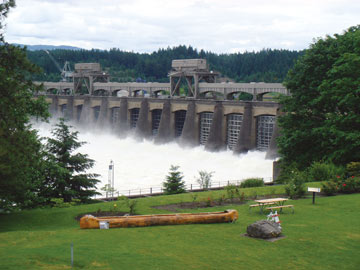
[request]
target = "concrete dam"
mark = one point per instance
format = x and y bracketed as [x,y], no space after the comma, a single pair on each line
[208,114]
[238,125]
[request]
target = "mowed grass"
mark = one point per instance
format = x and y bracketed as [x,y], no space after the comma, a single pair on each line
[321,236]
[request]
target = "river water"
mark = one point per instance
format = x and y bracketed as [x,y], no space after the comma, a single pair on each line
[143,164]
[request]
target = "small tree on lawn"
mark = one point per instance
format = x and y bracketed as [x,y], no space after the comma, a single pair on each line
[109,190]
[173,183]
[65,172]
[205,179]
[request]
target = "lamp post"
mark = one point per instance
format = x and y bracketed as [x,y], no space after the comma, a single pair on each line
[111,178]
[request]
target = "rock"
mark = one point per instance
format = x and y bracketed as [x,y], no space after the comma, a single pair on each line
[264,229]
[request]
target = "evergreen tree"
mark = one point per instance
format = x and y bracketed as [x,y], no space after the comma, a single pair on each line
[20,159]
[174,183]
[322,120]
[65,171]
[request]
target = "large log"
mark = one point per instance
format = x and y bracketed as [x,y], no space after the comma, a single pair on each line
[91,222]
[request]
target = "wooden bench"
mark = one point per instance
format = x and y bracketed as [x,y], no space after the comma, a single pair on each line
[281,207]
[259,204]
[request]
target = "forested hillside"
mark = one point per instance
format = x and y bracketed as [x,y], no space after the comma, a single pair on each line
[264,66]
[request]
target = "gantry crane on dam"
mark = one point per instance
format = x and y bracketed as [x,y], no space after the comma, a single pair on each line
[66,73]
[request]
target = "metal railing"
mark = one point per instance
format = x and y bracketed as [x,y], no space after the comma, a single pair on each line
[159,190]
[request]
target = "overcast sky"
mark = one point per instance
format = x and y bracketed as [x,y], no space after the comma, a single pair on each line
[221,26]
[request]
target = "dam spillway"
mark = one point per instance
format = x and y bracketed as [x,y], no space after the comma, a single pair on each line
[217,124]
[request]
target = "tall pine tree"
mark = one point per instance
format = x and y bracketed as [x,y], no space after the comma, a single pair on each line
[66,175]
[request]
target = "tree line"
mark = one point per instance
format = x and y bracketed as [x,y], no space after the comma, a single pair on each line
[266,65]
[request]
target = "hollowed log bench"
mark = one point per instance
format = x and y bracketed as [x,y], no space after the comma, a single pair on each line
[281,207]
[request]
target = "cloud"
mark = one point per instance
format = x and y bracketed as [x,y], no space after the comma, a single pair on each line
[145,26]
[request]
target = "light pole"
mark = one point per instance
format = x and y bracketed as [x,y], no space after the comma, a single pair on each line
[111,178]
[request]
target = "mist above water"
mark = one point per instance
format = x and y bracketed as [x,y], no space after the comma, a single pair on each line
[143,164]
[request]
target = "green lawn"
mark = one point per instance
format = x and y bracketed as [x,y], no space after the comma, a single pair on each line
[321,236]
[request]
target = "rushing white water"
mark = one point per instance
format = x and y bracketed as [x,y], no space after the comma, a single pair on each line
[143,164]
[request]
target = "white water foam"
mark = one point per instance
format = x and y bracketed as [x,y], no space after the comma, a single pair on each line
[143,164]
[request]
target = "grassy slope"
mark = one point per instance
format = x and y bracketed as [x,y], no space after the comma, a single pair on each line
[321,236]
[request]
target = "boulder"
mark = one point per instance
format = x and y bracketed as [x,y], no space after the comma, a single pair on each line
[264,229]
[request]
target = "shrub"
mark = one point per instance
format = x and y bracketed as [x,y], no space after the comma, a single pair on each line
[221,199]
[350,185]
[252,182]
[342,185]
[353,169]
[321,171]
[130,203]
[132,206]
[329,188]
[209,201]
[194,197]
[232,191]
[296,188]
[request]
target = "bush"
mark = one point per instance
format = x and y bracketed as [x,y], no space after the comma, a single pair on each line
[329,188]
[342,185]
[130,203]
[350,185]
[232,191]
[132,206]
[296,188]
[252,182]
[209,201]
[221,199]
[194,197]
[353,169]
[320,171]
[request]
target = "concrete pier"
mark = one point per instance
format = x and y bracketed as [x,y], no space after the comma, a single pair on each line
[164,134]
[188,136]
[143,124]
[244,143]
[216,140]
